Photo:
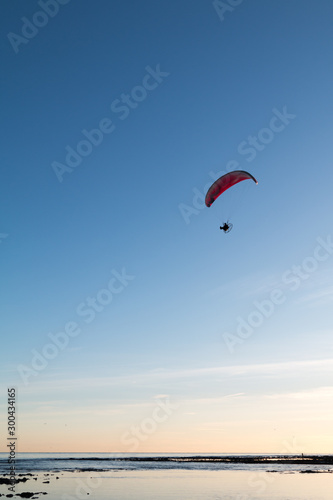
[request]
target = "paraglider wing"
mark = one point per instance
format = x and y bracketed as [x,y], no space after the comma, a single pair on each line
[224,183]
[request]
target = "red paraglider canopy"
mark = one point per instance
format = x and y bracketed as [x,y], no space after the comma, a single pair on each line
[224,183]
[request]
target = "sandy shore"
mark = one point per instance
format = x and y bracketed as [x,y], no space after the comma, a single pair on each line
[176,484]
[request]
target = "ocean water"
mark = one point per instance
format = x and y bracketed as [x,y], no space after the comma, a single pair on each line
[39,462]
[119,476]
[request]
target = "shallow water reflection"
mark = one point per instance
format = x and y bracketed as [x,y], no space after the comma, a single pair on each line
[183,485]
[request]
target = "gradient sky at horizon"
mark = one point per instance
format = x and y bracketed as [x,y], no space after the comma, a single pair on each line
[120,212]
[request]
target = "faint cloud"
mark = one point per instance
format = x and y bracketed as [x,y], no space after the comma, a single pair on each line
[318,298]
[286,369]
[247,286]
[316,393]
[298,275]
[234,395]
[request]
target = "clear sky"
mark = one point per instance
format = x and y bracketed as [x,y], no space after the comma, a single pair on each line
[129,321]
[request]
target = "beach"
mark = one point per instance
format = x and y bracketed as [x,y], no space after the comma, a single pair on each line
[176,485]
[172,478]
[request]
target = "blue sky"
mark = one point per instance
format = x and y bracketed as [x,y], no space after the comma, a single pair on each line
[201,89]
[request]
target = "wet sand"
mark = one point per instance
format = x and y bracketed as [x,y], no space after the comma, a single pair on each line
[173,485]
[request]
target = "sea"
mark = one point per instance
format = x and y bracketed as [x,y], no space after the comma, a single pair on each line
[39,462]
[157,476]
